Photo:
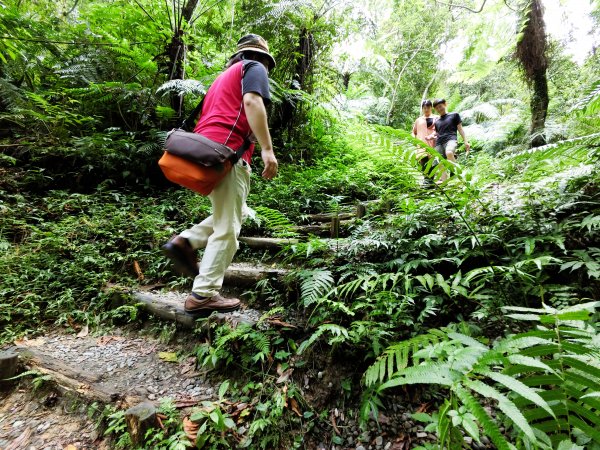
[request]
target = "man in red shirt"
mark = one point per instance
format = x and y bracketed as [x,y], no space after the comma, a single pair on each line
[233,112]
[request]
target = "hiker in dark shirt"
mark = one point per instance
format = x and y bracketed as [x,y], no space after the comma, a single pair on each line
[446,127]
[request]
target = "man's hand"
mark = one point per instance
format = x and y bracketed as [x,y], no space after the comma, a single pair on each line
[467,148]
[270,162]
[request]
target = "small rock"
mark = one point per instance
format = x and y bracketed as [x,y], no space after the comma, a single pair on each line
[151,396]
[320,375]
[387,446]
[241,430]
[485,440]
[468,440]
[18,424]
[360,447]
[350,440]
[421,434]
[43,427]
[379,441]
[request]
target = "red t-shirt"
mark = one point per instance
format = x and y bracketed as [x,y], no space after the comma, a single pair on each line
[223,118]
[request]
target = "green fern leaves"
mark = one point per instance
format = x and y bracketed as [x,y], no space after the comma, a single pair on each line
[546,382]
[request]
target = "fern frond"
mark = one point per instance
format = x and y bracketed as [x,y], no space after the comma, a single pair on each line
[181,87]
[428,373]
[314,284]
[275,221]
[488,425]
[504,404]
[396,356]
[519,388]
[339,334]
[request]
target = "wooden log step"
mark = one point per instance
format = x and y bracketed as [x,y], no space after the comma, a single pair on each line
[332,229]
[140,419]
[248,274]
[327,217]
[8,364]
[264,243]
[169,306]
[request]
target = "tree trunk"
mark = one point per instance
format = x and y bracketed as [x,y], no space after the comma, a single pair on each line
[531,53]
[286,117]
[177,50]
[539,109]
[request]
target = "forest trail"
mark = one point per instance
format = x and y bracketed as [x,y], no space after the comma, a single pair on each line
[119,368]
[71,377]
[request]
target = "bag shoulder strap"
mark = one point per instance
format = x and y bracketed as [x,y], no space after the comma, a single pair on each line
[189,123]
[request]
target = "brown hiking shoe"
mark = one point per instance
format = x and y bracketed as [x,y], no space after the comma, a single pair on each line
[204,306]
[180,251]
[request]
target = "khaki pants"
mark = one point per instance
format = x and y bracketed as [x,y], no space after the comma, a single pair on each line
[218,234]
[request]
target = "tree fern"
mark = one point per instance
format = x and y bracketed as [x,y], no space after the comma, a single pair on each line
[181,87]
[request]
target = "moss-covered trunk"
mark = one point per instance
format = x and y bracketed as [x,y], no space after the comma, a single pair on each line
[531,53]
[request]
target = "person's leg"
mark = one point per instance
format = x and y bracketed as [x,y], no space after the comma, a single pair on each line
[441,149]
[451,153]
[182,248]
[198,235]
[228,201]
[423,162]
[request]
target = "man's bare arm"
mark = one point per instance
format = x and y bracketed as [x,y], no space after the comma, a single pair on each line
[464,136]
[257,119]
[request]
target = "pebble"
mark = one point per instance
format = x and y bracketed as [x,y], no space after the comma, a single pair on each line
[379,441]
[421,434]
[18,424]
[360,447]
[151,397]
[43,427]
[387,446]
[468,440]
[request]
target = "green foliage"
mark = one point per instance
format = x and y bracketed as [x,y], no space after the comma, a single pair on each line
[60,252]
[538,380]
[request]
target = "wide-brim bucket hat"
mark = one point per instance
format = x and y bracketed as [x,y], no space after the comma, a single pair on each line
[254,43]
